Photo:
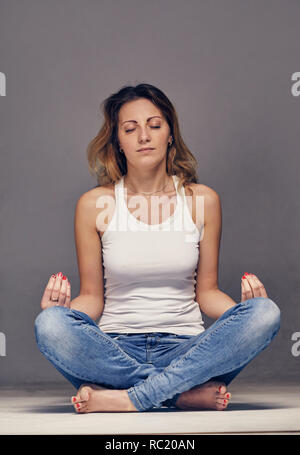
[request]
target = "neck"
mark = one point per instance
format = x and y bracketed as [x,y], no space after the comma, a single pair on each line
[142,183]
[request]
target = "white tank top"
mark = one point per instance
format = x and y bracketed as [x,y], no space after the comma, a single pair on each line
[150,270]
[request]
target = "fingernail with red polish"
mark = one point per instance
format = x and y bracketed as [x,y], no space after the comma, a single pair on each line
[64,277]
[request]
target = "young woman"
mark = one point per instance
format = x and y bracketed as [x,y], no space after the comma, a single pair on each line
[147,242]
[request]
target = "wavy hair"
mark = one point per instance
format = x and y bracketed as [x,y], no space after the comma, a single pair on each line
[105,160]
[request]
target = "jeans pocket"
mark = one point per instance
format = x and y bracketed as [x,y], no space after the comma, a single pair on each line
[174,337]
[116,336]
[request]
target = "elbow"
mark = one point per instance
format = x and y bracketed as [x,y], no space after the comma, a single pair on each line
[204,296]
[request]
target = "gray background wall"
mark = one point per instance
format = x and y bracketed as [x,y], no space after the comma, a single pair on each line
[226,66]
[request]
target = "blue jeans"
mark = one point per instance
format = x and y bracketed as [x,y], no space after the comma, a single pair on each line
[155,368]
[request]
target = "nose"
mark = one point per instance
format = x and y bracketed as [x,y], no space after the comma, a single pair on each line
[144,135]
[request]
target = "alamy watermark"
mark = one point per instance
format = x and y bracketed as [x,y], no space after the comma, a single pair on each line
[2,345]
[150,220]
[295,89]
[2,84]
[296,346]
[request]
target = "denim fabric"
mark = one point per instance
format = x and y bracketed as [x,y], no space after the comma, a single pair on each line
[155,368]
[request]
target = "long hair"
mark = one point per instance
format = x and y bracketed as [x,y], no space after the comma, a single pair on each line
[104,158]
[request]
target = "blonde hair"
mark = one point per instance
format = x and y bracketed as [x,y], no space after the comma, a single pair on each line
[105,160]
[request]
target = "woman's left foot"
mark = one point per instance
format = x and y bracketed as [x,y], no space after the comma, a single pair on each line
[93,398]
[210,395]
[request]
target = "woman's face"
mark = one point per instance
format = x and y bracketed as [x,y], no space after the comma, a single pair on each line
[141,124]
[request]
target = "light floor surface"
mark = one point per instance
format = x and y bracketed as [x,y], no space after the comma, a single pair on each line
[253,409]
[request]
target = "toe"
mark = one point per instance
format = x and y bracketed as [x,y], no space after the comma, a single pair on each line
[222,389]
[85,393]
[224,396]
[220,406]
[80,407]
[222,402]
[77,399]
[77,407]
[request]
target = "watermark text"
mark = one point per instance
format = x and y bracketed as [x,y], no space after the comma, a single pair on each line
[296,346]
[2,345]
[2,84]
[295,89]
[146,213]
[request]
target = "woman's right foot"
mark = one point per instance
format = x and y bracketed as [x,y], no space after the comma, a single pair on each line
[210,395]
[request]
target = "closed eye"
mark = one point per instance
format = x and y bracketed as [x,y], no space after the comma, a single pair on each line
[128,131]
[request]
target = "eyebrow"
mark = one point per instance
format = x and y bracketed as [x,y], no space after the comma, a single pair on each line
[134,121]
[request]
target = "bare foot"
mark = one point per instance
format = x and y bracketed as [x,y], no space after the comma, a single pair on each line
[210,395]
[93,398]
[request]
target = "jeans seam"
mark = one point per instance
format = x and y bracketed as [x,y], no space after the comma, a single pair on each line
[131,389]
[253,353]
[63,366]
[204,339]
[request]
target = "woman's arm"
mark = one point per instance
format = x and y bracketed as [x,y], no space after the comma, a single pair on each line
[215,303]
[212,301]
[87,304]
[89,258]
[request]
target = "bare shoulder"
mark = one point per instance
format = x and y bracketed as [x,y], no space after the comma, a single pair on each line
[91,196]
[202,190]
[210,197]
[95,201]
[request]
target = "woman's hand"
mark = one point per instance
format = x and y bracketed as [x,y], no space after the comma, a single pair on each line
[252,287]
[57,292]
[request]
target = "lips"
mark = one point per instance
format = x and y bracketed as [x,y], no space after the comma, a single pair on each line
[145,149]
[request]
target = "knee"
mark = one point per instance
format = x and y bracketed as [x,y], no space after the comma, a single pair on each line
[267,314]
[49,325]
